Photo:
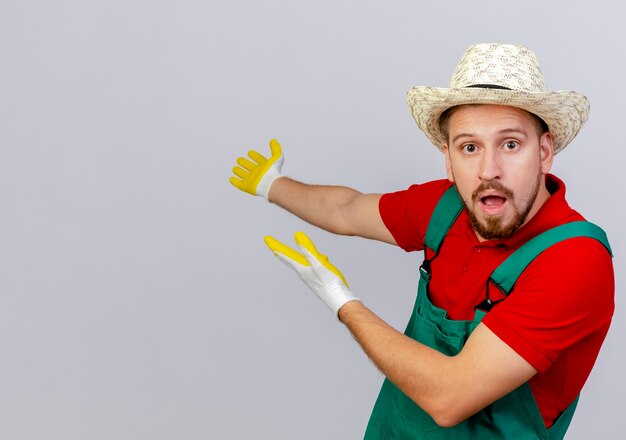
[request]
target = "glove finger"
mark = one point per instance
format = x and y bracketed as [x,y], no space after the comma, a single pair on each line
[282,250]
[237,183]
[304,272]
[275,148]
[304,242]
[319,262]
[246,164]
[257,157]
[240,172]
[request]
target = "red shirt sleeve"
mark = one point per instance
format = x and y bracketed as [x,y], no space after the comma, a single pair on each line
[563,301]
[406,213]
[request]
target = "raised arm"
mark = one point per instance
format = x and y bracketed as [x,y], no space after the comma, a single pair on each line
[336,209]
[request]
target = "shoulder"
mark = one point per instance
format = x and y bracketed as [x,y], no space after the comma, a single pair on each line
[416,198]
[575,274]
[406,213]
[433,188]
[563,297]
[575,260]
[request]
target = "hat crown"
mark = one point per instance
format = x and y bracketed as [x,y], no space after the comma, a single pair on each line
[503,65]
[480,76]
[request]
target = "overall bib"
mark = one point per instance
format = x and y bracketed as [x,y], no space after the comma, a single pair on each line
[514,416]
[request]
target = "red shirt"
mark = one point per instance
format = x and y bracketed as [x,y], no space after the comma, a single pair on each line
[560,310]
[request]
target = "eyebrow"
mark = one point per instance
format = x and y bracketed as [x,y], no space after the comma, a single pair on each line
[503,131]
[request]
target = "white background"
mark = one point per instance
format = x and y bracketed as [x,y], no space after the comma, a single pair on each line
[137,299]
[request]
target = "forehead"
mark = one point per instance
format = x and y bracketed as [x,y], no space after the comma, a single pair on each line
[488,114]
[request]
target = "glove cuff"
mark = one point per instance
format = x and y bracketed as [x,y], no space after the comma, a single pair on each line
[338,297]
[339,305]
[263,188]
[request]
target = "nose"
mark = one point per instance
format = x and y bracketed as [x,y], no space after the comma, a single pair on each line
[490,165]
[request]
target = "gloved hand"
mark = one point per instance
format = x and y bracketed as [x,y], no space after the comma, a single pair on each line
[257,175]
[322,277]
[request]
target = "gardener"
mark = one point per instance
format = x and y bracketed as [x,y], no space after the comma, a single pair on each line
[516,290]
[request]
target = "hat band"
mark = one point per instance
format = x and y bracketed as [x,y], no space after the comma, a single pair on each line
[489,86]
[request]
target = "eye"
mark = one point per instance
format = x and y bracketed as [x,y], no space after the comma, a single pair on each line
[510,145]
[469,148]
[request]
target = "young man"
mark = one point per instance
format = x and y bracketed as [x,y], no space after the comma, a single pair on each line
[516,289]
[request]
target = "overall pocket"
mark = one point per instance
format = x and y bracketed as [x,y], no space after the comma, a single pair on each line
[429,333]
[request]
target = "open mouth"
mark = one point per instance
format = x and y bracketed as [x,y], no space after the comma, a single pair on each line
[492,204]
[493,201]
[492,198]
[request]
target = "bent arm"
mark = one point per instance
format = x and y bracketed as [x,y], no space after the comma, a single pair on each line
[449,388]
[336,209]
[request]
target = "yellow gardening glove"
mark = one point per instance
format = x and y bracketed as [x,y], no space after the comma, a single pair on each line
[257,175]
[322,277]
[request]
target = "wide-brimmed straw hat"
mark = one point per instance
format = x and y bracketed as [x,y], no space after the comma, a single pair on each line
[502,74]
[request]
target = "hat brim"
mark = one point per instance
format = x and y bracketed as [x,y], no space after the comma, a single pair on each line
[564,111]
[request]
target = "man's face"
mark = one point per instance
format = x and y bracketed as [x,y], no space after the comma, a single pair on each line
[498,162]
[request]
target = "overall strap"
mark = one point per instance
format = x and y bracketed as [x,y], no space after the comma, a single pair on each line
[445,214]
[505,275]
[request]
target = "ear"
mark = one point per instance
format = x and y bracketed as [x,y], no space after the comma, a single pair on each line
[546,152]
[446,151]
